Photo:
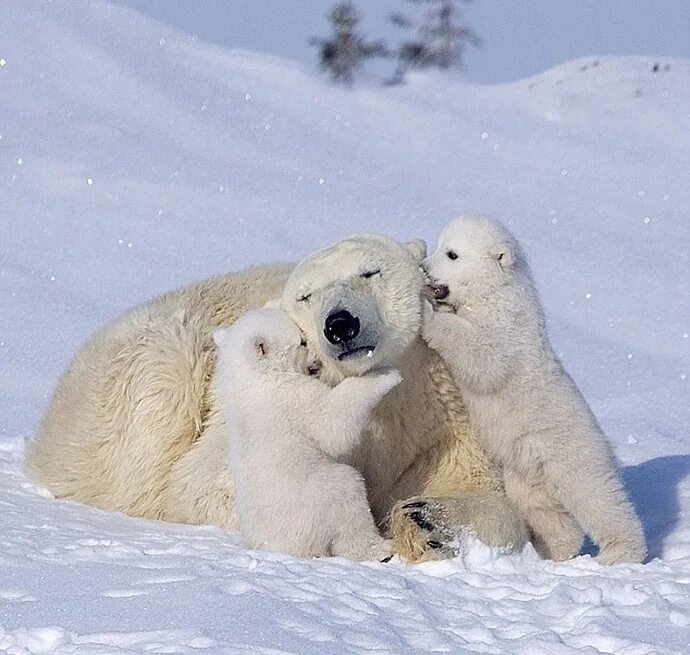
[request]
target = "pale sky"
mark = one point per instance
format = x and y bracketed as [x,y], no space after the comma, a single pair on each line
[521,37]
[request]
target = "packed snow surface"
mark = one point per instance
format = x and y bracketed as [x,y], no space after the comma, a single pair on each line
[134,159]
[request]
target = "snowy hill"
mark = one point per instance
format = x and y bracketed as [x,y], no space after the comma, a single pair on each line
[134,159]
[518,38]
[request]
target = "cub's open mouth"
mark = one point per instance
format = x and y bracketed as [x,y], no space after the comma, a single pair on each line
[439,291]
[362,351]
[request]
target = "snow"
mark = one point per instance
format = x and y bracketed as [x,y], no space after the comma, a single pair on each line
[134,159]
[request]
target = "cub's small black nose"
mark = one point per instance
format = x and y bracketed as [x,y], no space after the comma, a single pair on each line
[341,326]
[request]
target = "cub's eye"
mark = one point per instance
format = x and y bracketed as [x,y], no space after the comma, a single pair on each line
[369,274]
[304,298]
[451,254]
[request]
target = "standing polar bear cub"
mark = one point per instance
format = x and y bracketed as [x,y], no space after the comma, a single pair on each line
[530,416]
[286,431]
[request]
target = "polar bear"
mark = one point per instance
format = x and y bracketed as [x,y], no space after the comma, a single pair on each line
[136,423]
[557,465]
[286,433]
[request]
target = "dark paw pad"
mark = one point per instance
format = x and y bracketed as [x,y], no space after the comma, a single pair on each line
[425,515]
[421,520]
[416,504]
[423,534]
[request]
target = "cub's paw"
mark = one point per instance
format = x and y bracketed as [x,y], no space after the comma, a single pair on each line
[632,551]
[427,311]
[375,549]
[386,378]
[385,551]
[418,530]
[559,550]
[559,537]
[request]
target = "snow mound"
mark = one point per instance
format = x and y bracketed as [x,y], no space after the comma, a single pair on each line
[134,159]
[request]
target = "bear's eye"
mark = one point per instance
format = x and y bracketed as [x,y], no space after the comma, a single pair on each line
[303,343]
[451,254]
[369,274]
[304,298]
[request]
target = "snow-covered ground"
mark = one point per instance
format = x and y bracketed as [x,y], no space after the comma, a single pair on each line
[134,159]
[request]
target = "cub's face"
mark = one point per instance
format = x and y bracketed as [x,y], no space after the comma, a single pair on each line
[474,256]
[358,303]
[278,354]
[265,340]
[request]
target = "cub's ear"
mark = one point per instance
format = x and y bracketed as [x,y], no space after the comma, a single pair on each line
[220,336]
[274,303]
[504,255]
[417,248]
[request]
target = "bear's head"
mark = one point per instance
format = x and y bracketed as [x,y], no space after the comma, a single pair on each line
[475,255]
[263,340]
[358,302]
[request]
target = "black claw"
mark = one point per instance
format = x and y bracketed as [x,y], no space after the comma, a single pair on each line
[414,503]
[386,559]
[434,544]
[421,521]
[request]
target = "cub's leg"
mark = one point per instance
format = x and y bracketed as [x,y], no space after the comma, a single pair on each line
[594,493]
[356,536]
[556,534]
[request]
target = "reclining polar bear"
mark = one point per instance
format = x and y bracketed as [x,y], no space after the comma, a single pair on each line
[136,423]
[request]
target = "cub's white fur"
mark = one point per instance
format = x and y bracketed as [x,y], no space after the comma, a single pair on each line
[286,431]
[558,467]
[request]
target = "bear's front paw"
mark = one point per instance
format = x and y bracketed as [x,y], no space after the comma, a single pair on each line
[433,528]
[418,531]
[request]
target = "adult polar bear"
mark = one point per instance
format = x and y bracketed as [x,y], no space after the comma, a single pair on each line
[136,422]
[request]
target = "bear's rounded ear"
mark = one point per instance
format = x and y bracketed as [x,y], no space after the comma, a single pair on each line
[274,303]
[504,255]
[418,248]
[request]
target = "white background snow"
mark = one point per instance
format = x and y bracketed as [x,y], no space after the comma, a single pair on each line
[134,159]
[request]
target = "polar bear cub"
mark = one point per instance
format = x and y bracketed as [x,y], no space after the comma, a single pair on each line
[287,433]
[558,467]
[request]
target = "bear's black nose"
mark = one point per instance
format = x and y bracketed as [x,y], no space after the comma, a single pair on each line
[341,327]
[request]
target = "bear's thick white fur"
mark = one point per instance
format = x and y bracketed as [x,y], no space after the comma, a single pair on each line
[136,423]
[558,467]
[286,432]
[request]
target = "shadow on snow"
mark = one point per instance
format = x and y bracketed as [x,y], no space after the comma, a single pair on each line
[653,490]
